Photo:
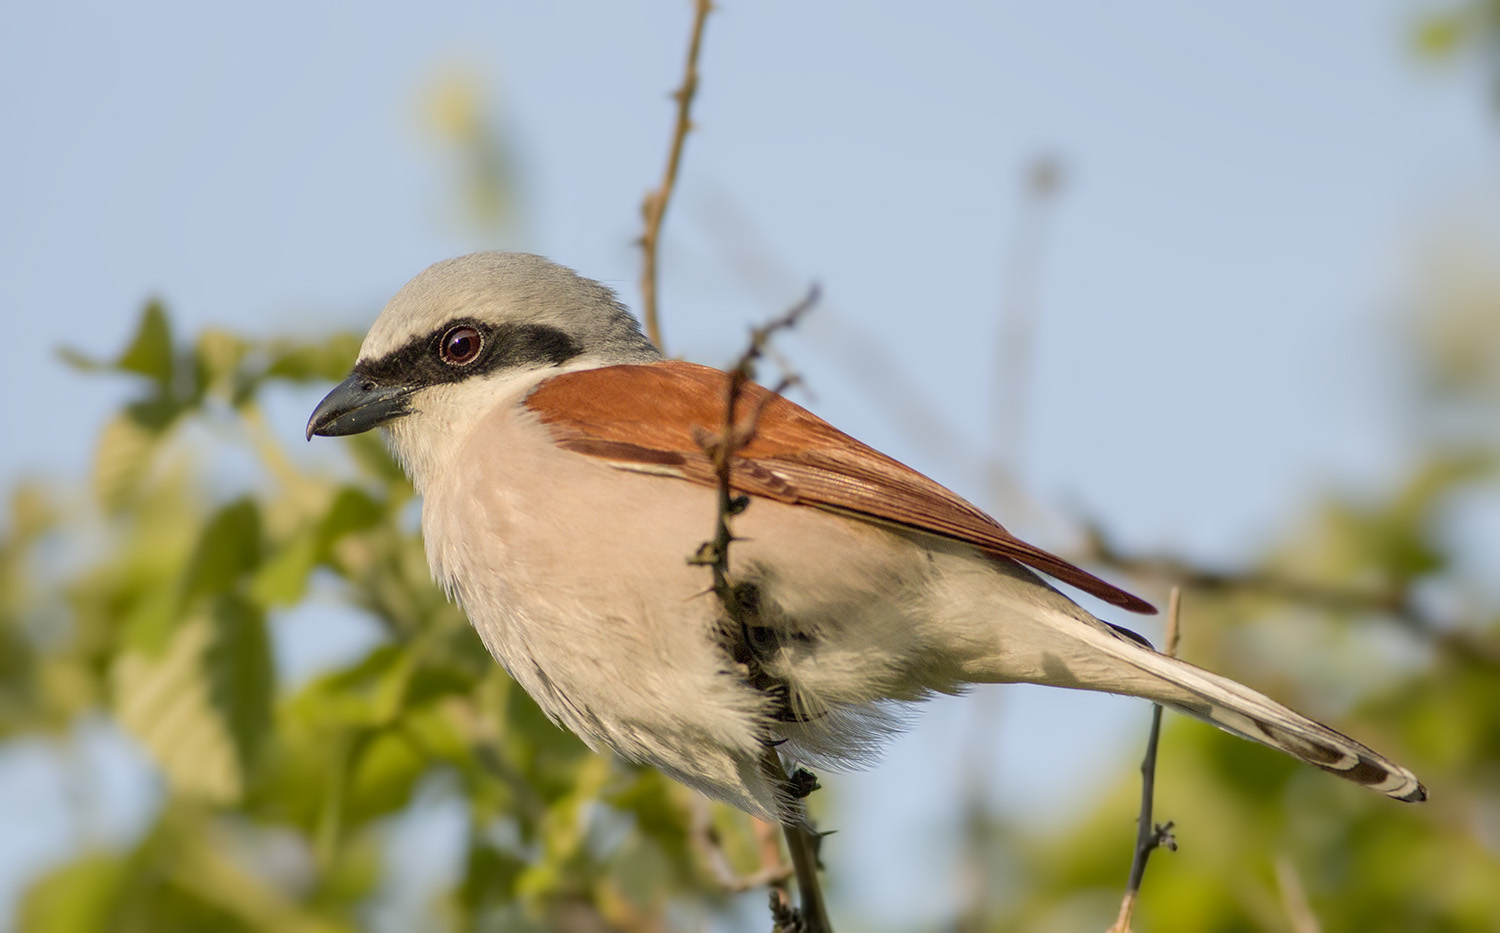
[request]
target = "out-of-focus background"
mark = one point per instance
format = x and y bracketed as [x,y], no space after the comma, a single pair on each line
[1193,294]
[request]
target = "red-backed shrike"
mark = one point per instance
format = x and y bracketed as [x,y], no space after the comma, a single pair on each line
[564,486]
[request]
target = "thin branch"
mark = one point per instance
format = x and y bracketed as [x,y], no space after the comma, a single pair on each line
[1299,913]
[734,436]
[768,841]
[1016,351]
[879,373]
[1174,630]
[802,841]
[1393,601]
[735,433]
[654,208]
[480,731]
[1020,273]
[1149,836]
[1099,549]
[705,837]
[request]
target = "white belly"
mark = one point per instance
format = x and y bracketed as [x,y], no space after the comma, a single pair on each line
[575,573]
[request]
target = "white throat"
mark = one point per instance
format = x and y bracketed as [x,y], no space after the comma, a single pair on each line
[442,417]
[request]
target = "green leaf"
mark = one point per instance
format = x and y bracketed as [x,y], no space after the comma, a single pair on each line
[657,806]
[81,362]
[32,512]
[241,674]
[149,626]
[282,579]
[219,356]
[195,876]
[371,454]
[78,897]
[1439,35]
[352,510]
[155,414]
[332,693]
[390,682]
[164,702]
[150,351]
[202,707]
[328,361]
[489,879]
[121,460]
[228,548]
[384,774]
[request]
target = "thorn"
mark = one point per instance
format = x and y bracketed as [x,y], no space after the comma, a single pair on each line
[801,783]
[817,843]
[1164,837]
[784,917]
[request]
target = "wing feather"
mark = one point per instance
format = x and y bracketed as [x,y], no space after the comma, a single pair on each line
[645,416]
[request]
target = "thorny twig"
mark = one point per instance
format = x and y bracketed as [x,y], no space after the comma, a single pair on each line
[1149,836]
[735,434]
[803,842]
[654,208]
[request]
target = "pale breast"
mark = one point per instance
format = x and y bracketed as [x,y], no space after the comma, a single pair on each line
[576,575]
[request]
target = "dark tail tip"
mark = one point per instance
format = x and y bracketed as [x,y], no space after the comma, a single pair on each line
[1416,796]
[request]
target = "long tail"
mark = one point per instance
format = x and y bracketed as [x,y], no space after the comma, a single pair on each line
[1241,711]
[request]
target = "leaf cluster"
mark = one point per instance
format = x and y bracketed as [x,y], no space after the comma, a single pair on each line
[155,599]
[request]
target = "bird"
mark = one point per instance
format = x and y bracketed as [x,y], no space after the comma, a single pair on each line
[566,483]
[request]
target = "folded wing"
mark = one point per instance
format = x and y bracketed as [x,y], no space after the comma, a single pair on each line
[652,416]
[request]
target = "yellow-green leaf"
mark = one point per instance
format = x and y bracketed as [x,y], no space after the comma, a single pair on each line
[150,350]
[1440,34]
[78,897]
[201,707]
[228,548]
[121,460]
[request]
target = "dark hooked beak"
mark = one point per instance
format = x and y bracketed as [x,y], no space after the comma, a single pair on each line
[356,405]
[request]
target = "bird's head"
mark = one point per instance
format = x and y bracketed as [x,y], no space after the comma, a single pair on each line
[465,334]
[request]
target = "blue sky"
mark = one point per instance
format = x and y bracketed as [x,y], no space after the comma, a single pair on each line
[1246,191]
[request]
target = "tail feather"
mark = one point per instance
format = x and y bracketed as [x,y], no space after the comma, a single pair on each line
[1241,711]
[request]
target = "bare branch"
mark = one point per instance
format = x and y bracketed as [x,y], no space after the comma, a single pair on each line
[1149,836]
[1299,913]
[1016,350]
[705,838]
[654,208]
[880,374]
[1174,631]
[1392,601]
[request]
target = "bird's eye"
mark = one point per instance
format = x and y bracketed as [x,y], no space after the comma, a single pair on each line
[460,346]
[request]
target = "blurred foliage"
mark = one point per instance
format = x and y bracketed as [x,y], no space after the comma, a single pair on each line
[482,165]
[151,600]
[278,797]
[1470,28]
[1374,612]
